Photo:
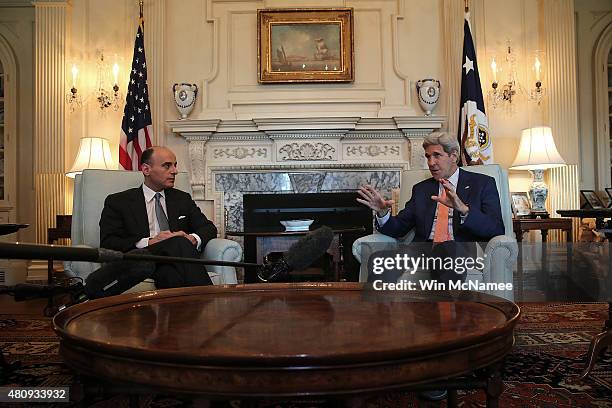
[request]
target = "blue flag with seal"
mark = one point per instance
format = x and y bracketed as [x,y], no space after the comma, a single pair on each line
[473,133]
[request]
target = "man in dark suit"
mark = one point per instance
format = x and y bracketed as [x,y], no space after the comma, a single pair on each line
[156,219]
[454,206]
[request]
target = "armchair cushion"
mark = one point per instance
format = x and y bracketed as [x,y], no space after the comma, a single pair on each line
[500,253]
[91,189]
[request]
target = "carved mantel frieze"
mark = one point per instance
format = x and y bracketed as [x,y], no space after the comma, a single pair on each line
[298,144]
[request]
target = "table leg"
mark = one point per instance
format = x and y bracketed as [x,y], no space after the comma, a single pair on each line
[250,255]
[495,386]
[519,265]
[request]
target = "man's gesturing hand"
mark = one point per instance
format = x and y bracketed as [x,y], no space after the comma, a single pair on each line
[372,198]
[451,200]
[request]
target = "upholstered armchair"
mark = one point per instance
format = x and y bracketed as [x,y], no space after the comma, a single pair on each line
[500,252]
[90,190]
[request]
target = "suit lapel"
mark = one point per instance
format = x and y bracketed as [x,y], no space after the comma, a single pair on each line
[139,211]
[172,209]
[464,191]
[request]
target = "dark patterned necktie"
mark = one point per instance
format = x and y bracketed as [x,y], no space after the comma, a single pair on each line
[162,220]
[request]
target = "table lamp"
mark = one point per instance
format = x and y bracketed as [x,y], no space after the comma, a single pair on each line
[537,152]
[94,153]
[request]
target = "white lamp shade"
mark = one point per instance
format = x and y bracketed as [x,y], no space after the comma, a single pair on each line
[94,153]
[537,150]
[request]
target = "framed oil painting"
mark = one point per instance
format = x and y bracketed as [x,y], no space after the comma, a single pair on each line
[520,204]
[305,45]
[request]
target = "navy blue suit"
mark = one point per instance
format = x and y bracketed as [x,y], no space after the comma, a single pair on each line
[477,191]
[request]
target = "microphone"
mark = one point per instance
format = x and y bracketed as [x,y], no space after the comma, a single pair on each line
[101,255]
[299,256]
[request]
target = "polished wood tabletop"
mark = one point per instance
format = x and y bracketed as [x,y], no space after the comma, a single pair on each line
[284,339]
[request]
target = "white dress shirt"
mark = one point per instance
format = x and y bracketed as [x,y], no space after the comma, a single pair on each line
[454,180]
[149,196]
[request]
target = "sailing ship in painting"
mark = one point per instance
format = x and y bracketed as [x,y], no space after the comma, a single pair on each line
[304,48]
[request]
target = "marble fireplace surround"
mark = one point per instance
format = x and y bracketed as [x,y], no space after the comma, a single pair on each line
[229,158]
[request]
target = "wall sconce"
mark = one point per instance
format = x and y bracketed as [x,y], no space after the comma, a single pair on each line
[510,90]
[74,98]
[94,153]
[103,94]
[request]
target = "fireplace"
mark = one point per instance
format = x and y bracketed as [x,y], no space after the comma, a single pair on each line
[338,210]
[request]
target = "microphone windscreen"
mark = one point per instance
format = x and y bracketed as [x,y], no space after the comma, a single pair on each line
[308,249]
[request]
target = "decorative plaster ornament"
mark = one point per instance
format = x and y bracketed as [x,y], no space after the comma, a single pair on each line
[185,97]
[429,93]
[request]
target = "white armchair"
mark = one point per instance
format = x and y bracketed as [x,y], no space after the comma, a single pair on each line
[501,251]
[91,189]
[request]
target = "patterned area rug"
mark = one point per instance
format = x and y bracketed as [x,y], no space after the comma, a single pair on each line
[551,342]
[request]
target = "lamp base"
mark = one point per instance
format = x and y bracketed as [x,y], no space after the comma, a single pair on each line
[537,214]
[538,192]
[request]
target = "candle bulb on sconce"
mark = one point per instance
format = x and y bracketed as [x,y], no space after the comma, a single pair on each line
[537,94]
[73,98]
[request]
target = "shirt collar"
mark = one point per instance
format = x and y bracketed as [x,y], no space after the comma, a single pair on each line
[454,179]
[150,194]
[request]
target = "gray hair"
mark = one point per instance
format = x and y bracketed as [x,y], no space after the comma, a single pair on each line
[449,143]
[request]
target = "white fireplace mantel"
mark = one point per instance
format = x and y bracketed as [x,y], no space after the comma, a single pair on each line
[300,145]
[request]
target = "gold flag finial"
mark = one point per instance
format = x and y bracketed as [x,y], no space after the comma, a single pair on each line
[141,4]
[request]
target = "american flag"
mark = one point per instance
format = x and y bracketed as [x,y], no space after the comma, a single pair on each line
[476,145]
[136,129]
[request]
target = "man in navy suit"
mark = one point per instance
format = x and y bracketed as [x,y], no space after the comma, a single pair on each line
[157,219]
[467,204]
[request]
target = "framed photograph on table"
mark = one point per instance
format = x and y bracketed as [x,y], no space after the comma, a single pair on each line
[609,194]
[305,45]
[521,205]
[591,199]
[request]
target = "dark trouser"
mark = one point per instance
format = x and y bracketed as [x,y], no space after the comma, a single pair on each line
[114,278]
[453,250]
[176,275]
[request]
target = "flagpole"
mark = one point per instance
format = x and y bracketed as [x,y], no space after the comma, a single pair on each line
[141,4]
[467,7]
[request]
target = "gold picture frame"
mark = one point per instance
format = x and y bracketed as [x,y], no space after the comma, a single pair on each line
[305,45]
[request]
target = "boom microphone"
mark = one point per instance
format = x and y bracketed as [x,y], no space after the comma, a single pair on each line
[299,256]
[101,255]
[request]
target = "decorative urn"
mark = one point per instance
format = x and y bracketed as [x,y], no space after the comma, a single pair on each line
[428,91]
[185,97]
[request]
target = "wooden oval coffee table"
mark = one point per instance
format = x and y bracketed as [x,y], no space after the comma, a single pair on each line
[286,340]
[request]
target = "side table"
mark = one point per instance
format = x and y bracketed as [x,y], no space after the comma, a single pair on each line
[523,225]
[63,225]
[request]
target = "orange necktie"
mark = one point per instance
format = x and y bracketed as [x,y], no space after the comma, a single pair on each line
[441,231]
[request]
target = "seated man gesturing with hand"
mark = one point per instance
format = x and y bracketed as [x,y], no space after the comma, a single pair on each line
[453,206]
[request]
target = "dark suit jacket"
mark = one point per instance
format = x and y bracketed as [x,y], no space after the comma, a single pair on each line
[477,191]
[124,219]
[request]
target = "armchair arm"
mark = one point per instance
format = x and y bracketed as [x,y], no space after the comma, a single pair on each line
[376,238]
[80,269]
[501,254]
[220,249]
